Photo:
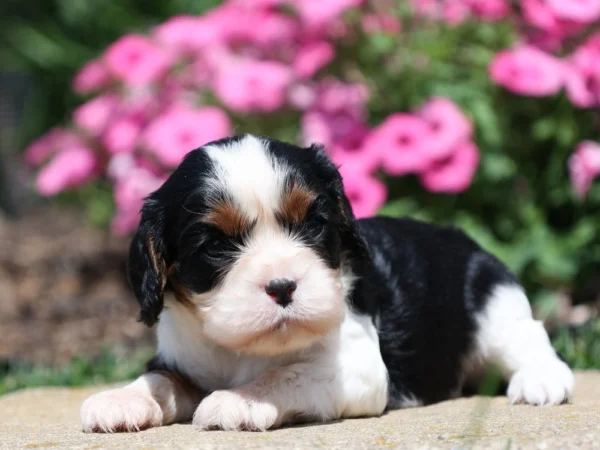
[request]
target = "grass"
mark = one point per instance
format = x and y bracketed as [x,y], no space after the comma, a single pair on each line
[108,367]
[580,347]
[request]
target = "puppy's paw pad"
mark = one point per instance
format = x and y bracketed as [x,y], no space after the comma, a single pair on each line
[232,410]
[544,384]
[120,410]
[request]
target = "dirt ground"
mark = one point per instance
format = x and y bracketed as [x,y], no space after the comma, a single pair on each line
[63,290]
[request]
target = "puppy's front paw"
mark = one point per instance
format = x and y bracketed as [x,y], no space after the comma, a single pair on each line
[233,410]
[120,410]
[544,384]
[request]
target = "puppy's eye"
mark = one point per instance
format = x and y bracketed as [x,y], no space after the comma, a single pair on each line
[315,227]
[214,248]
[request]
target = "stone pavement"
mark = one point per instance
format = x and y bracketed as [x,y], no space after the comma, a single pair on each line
[49,418]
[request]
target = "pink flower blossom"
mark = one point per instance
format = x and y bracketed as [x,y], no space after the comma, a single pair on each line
[92,77]
[342,129]
[275,28]
[583,74]
[540,14]
[491,10]
[584,166]
[582,90]
[181,129]
[93,116]
[136,60]
[367,158]
[312,57]
[122,135]
[317,13]
[120,165]
[187,34]
[366,194]
[448,126]
[403,142]
[585,11]
[302,96]
[71,167]
[455,174]
[129,194]
[454,12]
[334,96]
[46,145]
[528,71]
[253,85]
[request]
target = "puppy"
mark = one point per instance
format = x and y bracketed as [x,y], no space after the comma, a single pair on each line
[274,305]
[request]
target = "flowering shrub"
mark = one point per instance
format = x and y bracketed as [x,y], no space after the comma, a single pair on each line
[461,111]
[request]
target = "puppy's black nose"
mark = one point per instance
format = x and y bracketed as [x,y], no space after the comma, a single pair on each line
[281,291]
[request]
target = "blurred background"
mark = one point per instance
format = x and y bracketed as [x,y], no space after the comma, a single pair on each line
[477,113]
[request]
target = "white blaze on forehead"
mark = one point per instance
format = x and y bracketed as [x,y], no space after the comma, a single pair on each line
[249,174]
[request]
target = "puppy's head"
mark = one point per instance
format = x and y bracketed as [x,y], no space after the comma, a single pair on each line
[252,235]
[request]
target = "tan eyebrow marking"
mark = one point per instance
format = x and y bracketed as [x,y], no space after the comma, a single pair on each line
[295,203]
[227,217]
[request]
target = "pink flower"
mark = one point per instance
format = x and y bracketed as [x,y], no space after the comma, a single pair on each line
[342,129]
[403,142]
[187,34]
[448,126]
[490,9]
[582,90]
[181,129]
[455,12]
[528,71]
[129,194]
[585,11]
[71,167]
[315,129]
[583,74]
[122,135]
[334,96]
[120,165]
[46,145]
[366,194]
[94,115]
[312,57]
[302,96]
[455,174]
[540,14]
[317,13]
[274,28]
[253,85]
[367,158]
[584,166]
[90,78]
[136,60]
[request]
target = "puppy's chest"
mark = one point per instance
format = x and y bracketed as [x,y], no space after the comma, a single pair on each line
[182,347]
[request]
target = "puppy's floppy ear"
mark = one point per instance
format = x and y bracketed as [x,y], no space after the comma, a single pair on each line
[147,267]
[349,234]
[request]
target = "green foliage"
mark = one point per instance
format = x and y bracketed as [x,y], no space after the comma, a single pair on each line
[581,348]
[108,367]
[48,40]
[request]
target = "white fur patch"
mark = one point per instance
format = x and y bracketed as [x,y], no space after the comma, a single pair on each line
[342,375]
[131,408]
[247,172]
[518,345]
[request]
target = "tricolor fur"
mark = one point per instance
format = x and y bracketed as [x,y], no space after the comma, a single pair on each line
[378,313]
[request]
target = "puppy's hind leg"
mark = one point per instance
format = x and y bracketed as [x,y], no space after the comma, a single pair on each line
[509,338]
[154,399]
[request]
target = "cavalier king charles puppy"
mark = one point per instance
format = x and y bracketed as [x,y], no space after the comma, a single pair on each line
[274,305]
